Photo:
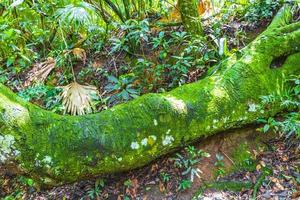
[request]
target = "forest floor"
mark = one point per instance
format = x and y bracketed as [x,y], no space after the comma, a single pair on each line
[260,168]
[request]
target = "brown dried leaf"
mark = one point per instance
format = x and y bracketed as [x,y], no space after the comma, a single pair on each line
[77,98]
[80,54]
[258,167]
[97,64]
[161,187]
[296,195]
[40,72]
[262,163]
[274,180]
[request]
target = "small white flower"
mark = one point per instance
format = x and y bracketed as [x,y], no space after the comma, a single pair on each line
[135,145]
[144,142]
[168,140]
[252,107]
[215,121]
[120,159]
[168,132]
[225,119]
[155,122]
[47,160]
[153,137]
[17,152]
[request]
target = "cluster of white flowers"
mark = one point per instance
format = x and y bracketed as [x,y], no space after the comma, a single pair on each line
[168,140]
[253,107]
[47,160]
[144,142]
[135,145]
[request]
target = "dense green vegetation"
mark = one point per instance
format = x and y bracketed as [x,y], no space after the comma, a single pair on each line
[121,47]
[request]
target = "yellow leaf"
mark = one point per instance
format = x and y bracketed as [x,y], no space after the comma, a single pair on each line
[258,167]
[80,54]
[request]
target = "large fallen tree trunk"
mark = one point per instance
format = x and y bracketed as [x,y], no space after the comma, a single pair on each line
[56,149]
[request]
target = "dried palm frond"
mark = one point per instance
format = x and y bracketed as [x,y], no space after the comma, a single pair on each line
[80,54]
[77,98]
[40,71]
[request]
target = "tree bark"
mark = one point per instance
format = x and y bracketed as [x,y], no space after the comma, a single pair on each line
[55,149]
[190,17]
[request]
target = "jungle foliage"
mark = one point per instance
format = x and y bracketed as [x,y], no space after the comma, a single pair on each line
[122,48]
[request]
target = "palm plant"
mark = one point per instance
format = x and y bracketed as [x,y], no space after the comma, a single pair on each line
[78,14]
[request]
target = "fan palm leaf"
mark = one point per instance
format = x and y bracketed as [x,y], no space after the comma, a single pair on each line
[78,99]
[80,14]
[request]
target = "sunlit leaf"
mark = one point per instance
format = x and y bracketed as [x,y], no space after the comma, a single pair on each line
[16,3]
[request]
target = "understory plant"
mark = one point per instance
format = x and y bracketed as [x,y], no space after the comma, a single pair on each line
[122,88]
[289,122]
[189,161]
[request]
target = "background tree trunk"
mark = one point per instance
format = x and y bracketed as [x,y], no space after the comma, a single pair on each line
[56,149]
[190,16]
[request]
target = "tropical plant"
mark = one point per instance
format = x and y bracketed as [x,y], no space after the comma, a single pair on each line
[165,177]
[290,124]
[122,89]
[189,161]
[79,14]
[220,165]
[184,184]
[95,192]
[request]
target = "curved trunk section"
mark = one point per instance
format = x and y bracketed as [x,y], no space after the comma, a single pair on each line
[56,149]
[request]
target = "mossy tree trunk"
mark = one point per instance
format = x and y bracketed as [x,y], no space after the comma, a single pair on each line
[190,17]
[56,149]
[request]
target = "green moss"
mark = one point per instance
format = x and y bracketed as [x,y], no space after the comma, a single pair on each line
[243,159]
[234,186]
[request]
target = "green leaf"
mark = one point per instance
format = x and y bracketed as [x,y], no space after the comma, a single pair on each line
[30,182]
[266,128]
[16,3]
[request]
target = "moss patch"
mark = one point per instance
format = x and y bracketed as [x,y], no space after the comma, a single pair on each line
[243,159]
[234,186]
